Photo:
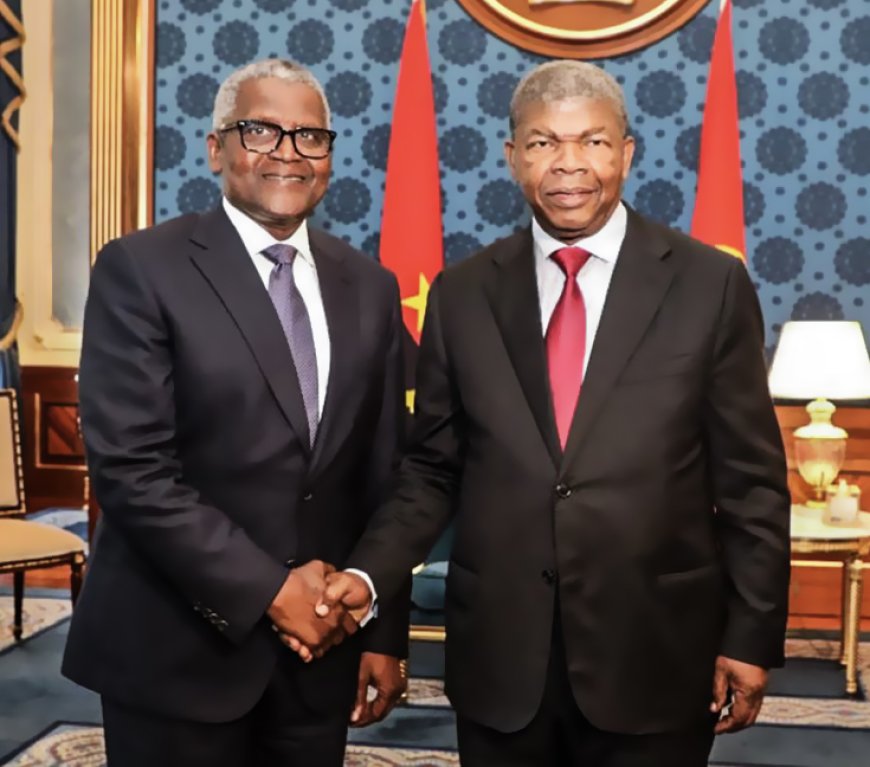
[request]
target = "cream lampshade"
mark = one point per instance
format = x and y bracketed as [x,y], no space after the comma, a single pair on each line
[820,361]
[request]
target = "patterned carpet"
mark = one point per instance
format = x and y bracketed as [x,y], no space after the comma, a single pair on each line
[38,615]
[805,721]
[69,745]
[73,745]
[827,708]
[804,711]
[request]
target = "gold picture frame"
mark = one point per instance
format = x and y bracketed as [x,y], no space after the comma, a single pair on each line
[582,29]
[122,118]
[118,161]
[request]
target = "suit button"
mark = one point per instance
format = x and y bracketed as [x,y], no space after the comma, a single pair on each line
[563,491]
[549,577]
[307,497]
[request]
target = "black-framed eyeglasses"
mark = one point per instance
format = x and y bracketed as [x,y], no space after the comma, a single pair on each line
[265,137]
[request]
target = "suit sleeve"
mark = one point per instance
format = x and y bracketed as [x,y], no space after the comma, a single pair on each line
[749,481]
[388,634]
[129,426]
[403,531]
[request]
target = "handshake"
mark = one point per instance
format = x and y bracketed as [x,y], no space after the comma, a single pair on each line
[318,607]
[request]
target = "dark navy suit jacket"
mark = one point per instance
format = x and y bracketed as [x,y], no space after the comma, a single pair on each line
[198,448]
[660,533]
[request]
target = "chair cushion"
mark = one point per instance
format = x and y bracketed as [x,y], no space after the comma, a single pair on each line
[22,540]
[429,586]
[434,570]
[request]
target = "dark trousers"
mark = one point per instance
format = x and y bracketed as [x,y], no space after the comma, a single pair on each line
[280,731]
[560,736]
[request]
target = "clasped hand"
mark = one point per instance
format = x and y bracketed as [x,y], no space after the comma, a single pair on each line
[317,608]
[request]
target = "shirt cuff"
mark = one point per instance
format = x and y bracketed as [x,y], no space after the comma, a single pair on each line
[373,610]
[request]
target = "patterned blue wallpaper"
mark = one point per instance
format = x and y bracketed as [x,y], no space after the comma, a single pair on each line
[804,89]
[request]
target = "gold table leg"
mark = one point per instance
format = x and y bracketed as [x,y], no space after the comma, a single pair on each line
[403,667]
[845,620]
[854,566]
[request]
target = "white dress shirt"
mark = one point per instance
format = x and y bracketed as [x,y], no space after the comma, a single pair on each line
[256,239]
[593,279]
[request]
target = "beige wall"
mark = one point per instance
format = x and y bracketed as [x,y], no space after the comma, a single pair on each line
[42,340]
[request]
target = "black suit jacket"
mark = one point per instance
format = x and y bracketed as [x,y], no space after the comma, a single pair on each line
[197,443]
[662,530]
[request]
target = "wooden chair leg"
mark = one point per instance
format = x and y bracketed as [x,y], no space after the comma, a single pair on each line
[18,604]
[75,581]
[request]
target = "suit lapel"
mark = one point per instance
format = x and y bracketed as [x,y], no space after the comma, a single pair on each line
[341,306]
[220,257]
[513,295]
[640,281]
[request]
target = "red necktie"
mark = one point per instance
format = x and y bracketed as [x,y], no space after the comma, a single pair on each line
[566,340]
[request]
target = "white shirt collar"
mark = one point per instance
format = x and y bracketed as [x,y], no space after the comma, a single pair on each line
[604,244]
[256,239]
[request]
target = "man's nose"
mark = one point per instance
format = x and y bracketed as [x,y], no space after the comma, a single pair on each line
[570,157]
[286,151]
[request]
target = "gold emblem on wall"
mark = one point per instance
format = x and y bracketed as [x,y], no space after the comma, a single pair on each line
[582,29]
[566,2]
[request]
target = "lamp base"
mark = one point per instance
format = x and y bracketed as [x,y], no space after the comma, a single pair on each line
[812,503]
[820,427]
[820,449]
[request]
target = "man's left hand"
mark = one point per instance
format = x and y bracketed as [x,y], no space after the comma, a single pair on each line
[746,684]
[384,673]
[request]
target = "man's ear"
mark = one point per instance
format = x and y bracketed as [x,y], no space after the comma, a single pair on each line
[509,153]
[215,150]
[628,147]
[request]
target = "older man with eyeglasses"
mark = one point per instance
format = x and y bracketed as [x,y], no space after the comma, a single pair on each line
[242,408]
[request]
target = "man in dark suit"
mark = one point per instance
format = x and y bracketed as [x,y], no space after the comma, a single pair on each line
[241,403]
[592,413]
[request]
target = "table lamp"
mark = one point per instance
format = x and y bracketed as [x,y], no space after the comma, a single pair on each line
[820,361]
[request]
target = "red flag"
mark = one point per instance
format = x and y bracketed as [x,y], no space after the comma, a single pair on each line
[411,243]
[718,218]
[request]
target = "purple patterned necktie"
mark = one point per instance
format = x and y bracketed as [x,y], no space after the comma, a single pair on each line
[297,327]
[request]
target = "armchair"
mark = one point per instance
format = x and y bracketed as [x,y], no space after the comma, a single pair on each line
[26,545]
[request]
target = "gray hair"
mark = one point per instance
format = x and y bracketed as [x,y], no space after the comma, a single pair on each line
[567,79]
[225,100]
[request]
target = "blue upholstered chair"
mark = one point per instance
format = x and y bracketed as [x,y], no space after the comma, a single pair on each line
[427,592]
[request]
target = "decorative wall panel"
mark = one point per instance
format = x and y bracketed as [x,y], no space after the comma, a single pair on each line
[804,90]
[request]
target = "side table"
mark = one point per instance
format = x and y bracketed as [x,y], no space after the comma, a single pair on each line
[811,537]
